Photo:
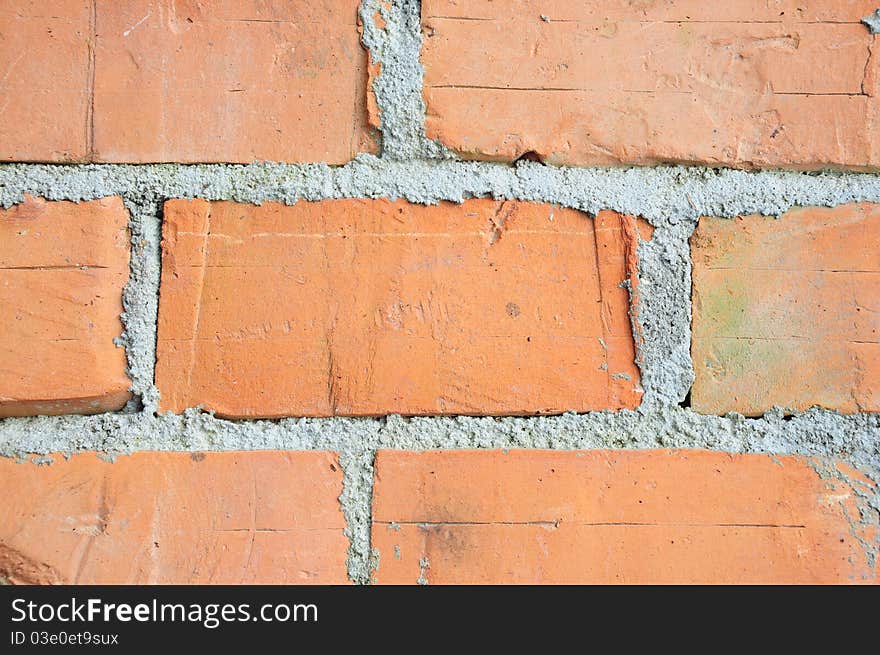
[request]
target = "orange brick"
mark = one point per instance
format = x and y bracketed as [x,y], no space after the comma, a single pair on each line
[45,72]
[363,307]
[62,270]
[750,84]
[263,517]
[641,517]
[787,312]
[233,81]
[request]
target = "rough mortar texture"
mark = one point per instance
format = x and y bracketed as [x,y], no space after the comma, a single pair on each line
[395,47]
[140,302]
[662,195]
[873,22]
[420,171]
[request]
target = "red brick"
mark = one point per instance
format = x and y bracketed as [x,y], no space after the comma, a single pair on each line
[45,72]
[182,80]
[229,81]
[787,312]
[749,84]
[174,518]
[62,270]
[363,307]
[641,517]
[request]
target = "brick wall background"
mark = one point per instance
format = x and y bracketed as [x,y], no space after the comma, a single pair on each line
[436,341]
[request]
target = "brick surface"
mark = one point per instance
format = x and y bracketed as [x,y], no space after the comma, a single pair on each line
[613,517]
[182,81]
[45,72]
[174,518]
[787,312]
[362,307]
[747,84]
[62,270]
[229,81]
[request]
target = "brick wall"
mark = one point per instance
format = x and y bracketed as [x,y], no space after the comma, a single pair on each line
[340,292]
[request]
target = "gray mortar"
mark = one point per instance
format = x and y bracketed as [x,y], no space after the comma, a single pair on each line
[357,504]
[663,318]
[873,22]
[412,167]
[664,195]
[398,88]
[816,432]
[140,302]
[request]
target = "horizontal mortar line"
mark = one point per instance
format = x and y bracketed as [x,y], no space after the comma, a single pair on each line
[194,173]
[596,524]
[792,270]
[74,444]
[783,338]
[666,21]
[60,267]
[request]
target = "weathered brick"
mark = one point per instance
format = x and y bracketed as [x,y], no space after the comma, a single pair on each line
[229,81]
[748,84]
[263,517]
[363,307]
[45,72]
[616,516]
[62,270]
[787,312]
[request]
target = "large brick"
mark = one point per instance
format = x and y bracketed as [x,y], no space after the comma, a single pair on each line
[787,312]
[364,307]
[182,80]
[45,73]
[231,81]
[646,517]
[751,83]
[62,270]
[174,518]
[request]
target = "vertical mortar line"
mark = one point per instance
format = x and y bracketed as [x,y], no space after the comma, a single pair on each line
[90,108]
[398,86]
[140,298]
[665,314]
[356,502]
